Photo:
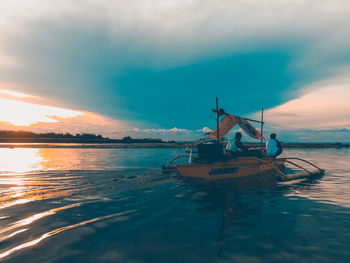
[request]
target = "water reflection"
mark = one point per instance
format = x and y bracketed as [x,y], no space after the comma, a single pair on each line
[25,176]
[334,186]
[56,190]
[254,215]
[235,200]
[21,160]
[24,160]
[69,159]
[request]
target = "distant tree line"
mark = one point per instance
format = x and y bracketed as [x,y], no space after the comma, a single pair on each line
[128,139]
[27,134]
[31,137]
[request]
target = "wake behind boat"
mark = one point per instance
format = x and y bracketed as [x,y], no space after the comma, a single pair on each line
[211,163]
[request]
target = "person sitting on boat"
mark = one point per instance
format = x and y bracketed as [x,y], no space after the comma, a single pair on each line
[235,147]
[273,147]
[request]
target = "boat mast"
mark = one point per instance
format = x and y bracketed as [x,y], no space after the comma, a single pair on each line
[217,121]
[262,127]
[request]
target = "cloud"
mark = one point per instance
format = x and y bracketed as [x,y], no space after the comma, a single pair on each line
[162,63]
[324,105]
[175,134]
[205,130]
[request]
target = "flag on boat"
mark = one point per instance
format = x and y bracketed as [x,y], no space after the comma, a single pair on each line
[226,124]
[248,128]
[229,121]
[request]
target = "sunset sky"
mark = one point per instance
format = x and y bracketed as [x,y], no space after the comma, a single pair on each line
[154,68]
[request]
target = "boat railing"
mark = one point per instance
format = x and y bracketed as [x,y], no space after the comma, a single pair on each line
[175,158]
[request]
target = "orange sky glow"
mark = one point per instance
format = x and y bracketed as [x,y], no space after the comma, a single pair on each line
[18,111]
[326,107]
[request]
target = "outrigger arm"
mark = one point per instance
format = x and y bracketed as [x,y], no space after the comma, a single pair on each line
[319,171]
[285,176]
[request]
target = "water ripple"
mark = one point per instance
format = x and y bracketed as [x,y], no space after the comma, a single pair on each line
[36,217]
[57,231]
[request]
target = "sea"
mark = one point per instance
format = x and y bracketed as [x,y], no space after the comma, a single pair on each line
[116,205]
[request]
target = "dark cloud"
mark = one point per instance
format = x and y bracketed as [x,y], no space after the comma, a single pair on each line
[77,63]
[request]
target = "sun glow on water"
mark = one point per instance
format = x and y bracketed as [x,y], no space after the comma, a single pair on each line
[20,160]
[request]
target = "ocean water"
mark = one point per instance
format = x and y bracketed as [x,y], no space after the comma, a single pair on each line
[115,205]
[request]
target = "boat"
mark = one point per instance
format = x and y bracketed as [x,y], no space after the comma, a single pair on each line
[212,164]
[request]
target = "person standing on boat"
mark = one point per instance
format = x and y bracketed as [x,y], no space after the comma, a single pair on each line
[235,147]
[273,146]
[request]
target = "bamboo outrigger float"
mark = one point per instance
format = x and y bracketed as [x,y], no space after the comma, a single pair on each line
[212,164]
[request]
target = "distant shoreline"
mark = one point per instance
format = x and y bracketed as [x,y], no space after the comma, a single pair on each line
[26,139]
[158,145]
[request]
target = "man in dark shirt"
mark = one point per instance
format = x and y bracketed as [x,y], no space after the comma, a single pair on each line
[240,148]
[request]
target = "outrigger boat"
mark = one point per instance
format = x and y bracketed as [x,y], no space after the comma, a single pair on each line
[212,164]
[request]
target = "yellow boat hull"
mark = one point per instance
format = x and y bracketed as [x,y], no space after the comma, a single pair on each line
[234,168]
